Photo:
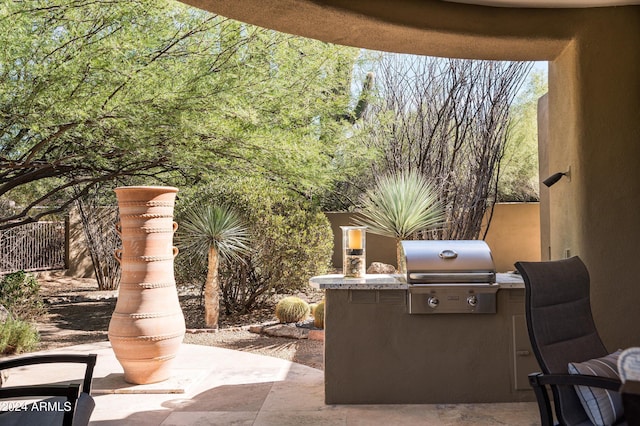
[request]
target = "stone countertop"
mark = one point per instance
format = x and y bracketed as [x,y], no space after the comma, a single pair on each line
[391,282]
[369,282]
[510,280]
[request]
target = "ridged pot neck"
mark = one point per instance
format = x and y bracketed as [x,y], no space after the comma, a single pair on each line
[146,188]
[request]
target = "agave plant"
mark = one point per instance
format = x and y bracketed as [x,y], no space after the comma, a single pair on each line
[214,232]
[399,205]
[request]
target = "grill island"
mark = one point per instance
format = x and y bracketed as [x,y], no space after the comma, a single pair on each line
[449,331]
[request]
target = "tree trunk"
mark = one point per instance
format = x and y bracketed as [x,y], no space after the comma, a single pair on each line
[402,265]
[212,291]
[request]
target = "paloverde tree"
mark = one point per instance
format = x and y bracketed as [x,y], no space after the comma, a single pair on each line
[159,92]
[448,120]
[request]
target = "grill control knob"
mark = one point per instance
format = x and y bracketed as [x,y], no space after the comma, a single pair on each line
[472,300]
[433,302]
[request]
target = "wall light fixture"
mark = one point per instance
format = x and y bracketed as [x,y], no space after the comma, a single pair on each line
[551,180]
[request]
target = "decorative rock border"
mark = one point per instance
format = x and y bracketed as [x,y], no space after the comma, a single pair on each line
[271,329]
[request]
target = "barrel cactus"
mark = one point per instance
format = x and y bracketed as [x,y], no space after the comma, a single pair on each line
[318,316]
[313,307]
[292,309]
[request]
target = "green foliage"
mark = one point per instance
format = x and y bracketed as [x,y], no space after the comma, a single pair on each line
[447,119]
[208,226]
[399,205]
[519,179]
[291,241]
[19,293]
[318,316]
[158,91]
[17,336]
[190,270]
[292,309]
[212,231]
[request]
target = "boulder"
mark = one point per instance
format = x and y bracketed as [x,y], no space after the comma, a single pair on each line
[381,268]
[286,330]
[256,328]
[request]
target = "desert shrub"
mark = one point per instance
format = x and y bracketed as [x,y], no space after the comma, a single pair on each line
[190,270]
[17,336]
[19,293]
[291,241]
[292,309]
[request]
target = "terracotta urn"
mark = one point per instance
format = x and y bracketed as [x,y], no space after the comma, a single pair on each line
[147,325]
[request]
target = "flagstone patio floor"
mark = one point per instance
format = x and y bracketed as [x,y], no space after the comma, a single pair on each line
[215,386]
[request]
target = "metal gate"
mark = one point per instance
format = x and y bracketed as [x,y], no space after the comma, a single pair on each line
[36,246]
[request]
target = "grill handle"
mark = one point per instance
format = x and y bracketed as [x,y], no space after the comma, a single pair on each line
[466,277]
[448,254]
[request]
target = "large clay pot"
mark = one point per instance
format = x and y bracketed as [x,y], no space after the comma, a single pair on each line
[147,326]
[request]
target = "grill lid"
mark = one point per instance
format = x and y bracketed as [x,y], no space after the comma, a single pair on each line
[448,261]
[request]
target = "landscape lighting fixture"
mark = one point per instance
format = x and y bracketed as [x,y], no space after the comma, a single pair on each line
[551,180]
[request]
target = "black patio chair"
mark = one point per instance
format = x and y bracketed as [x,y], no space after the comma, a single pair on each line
[65,405]
[562,331]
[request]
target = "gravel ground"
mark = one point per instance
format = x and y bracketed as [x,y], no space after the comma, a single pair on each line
[302,351]
[79,313]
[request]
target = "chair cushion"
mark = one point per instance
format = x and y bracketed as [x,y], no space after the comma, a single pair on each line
[603,406]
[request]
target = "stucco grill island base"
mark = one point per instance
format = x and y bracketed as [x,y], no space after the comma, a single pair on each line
[378,353]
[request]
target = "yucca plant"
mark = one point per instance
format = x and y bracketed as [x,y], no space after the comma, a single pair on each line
[398,206]
[213,231]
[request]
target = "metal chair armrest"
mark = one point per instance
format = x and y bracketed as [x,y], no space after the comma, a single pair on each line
[579,380]
[542,397]
[540,381]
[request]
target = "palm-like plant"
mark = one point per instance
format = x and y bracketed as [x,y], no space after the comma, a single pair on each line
[213,231]
[398,206]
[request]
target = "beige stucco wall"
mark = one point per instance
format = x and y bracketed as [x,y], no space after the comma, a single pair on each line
[514,234]
[544,172]
[594,126]
[79,258]
[379,248]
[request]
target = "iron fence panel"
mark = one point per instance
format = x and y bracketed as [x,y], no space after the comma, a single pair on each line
[36,246]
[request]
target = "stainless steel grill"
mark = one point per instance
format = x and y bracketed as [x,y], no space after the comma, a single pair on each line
[450,276]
